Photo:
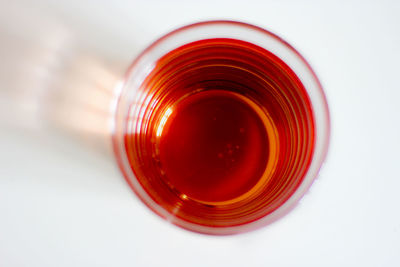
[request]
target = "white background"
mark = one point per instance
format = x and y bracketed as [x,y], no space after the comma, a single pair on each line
[63,201]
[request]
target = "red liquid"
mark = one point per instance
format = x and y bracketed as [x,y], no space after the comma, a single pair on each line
[222,132]
[213,147]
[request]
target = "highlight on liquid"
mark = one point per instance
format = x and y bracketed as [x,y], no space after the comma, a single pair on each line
[219,134]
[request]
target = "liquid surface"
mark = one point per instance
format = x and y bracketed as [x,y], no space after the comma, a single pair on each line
[214,146]
[220,133]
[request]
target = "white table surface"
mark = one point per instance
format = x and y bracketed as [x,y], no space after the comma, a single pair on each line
[63,201]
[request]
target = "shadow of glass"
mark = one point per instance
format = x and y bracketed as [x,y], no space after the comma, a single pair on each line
[54,85]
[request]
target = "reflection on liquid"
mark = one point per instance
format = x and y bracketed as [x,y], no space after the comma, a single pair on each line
[51,80]
[164,119]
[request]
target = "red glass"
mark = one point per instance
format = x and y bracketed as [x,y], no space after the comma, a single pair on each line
[219,134]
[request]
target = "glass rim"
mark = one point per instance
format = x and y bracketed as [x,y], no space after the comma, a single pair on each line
[318,100]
